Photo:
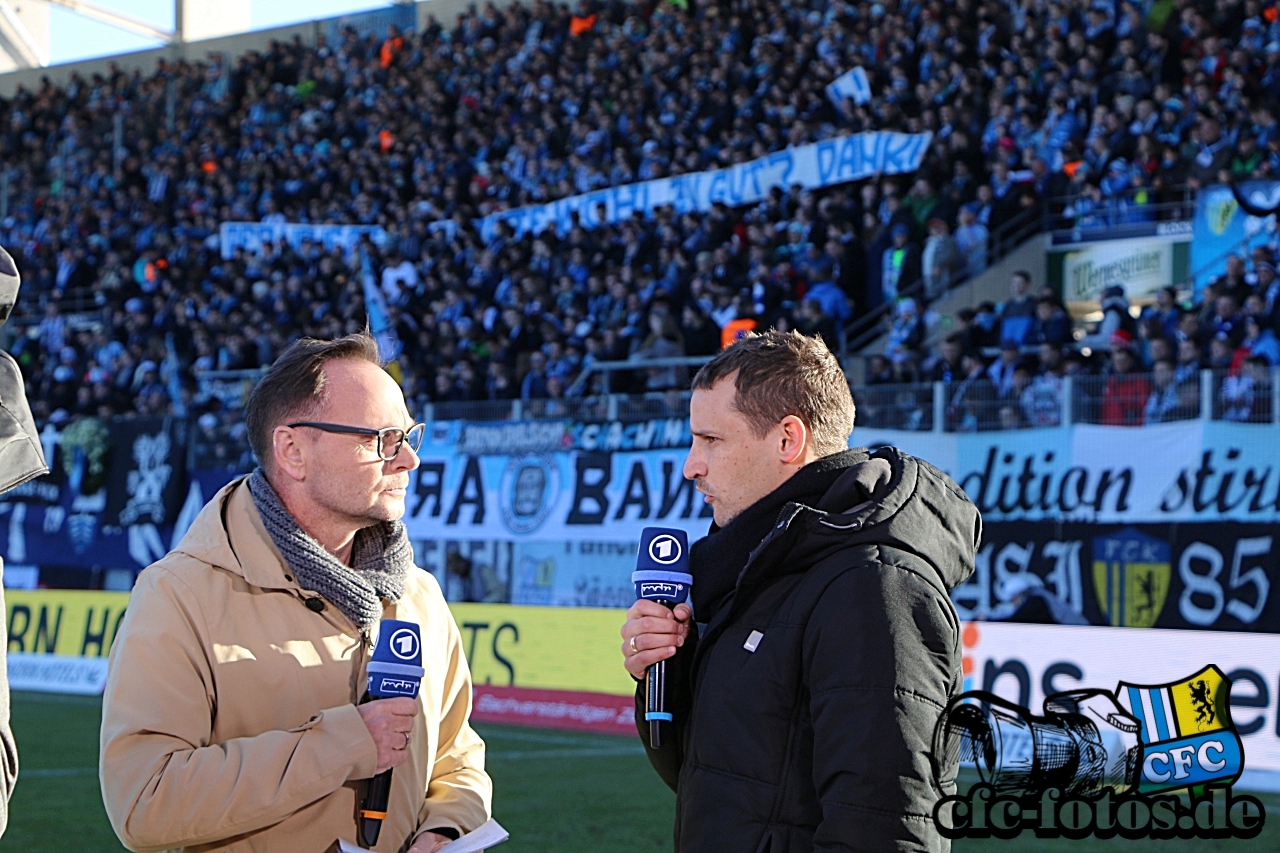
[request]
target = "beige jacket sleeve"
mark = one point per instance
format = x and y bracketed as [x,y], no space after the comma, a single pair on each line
[8,747]
[156,730]
[459,792]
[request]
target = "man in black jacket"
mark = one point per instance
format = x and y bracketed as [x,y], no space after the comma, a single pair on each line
[826,647]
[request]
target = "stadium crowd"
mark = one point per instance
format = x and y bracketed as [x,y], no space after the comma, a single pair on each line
[1005,366]
[1115,105]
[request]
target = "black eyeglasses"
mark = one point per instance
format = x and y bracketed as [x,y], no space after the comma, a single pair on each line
[389,438]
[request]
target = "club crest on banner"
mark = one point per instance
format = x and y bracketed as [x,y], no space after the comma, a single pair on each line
[1131,574]
[1187,736]
[529,488]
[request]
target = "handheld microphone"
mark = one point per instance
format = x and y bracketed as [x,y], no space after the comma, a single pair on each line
[661,575]
[395,670]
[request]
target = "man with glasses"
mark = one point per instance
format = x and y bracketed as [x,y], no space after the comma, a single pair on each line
[232,717]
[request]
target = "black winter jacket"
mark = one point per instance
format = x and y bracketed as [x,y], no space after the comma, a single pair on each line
[819,740]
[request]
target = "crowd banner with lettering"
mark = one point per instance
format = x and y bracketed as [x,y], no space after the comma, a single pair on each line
[111,499]
[851,84]
[1185,471]
[1215,577]
[554,482]
[1224,226]
[821,164]
[1024,663]
[251,236]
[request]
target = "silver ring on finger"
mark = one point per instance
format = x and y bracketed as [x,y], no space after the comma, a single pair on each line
[406,740]
[634,650]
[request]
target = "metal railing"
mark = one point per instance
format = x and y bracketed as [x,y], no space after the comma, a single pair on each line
[1245,396]
[1132,399]
[1250,395]
[598,407]
[608,368]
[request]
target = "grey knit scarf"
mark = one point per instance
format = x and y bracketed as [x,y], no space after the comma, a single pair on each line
[380,558]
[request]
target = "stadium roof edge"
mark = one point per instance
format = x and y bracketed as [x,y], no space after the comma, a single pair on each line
[443,10]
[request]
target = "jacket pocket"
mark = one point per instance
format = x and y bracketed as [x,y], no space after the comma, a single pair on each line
[791,838]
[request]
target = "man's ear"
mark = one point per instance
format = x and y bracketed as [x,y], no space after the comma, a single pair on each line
[794,440]
[289,454]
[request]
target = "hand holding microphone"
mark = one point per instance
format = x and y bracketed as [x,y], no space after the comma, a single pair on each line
[395,674]
[389,722]
[657,632]
[659,620]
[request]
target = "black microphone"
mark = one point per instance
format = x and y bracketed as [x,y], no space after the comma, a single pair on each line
[661,575]
[395,670]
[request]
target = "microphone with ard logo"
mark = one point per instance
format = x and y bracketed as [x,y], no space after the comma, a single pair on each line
[395,670]
[661,575]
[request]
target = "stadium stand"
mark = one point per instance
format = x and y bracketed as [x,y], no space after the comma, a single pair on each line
[1095,114]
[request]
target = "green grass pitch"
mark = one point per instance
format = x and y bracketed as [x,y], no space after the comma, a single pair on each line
[559,792]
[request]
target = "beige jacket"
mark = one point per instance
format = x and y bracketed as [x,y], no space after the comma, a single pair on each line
[229,722]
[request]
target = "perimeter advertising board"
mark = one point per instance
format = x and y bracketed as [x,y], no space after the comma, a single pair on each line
[561,667]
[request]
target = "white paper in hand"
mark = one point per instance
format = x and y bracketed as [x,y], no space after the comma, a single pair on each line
[489,834]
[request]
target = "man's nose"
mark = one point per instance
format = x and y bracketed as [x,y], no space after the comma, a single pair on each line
[693,466]
[406,460]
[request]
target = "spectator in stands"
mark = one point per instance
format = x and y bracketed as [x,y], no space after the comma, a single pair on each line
[1258,341]
[1041,400]
[971,240]
[1245,394]
[973,404]
[1165,311]
[1115,318]
[900,264]
[1052,325]
[1268,290]
[947,366]
[1126,391]
[1213,152]
[1233,282]
[534,384]
[812,320]
[1189,366]
[941,260]
[1002,368]
[1017,314]
[1221,352]
[1227,319]
[663,341]
[701,336]
[985,331]
[906,334]
[1163,403]
[1158,348]
[498,384]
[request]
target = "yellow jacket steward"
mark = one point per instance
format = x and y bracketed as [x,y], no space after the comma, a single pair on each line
[229,719]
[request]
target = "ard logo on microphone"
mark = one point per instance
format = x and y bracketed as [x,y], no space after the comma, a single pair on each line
[396,667]
[1100,763]
[404,644]
[665,549]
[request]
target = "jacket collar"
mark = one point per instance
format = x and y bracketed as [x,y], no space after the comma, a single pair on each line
[228,533]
